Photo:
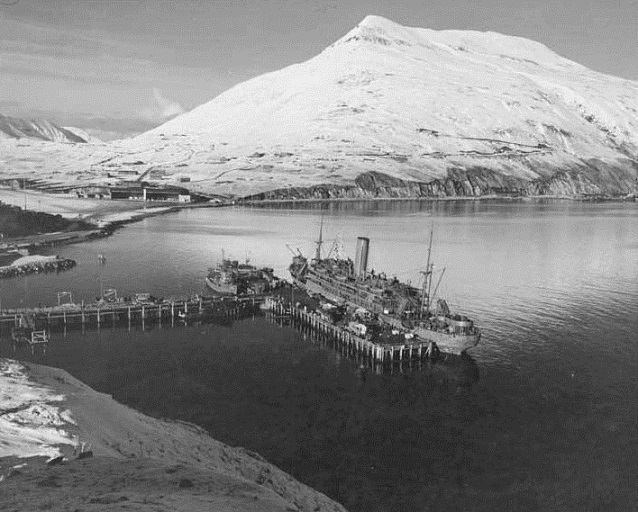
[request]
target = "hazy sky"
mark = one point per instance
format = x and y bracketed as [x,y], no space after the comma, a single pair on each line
[123,66]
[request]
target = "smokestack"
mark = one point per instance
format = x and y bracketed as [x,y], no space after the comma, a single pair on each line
[361,259]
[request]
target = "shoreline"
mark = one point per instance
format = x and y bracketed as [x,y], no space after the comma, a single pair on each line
[241,202]
[108,215]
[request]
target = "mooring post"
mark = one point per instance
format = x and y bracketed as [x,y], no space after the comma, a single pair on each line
[64,316]
[98,318]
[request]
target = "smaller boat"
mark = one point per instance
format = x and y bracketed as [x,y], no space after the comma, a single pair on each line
[230,277]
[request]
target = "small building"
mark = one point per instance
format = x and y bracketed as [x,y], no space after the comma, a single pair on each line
[95,192]
[142,191]
[128,190]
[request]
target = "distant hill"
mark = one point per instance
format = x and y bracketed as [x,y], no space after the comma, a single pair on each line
[17,128]
[83,134]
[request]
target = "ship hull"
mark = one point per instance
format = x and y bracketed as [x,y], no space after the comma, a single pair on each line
[446,342]
[221,288]
[449,343]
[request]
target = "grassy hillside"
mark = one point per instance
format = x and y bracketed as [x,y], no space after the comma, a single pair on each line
[15,221]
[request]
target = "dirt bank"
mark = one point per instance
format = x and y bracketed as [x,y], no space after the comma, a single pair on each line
[139,463]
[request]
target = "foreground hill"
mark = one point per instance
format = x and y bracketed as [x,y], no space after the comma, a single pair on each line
[389,110]
[138,463]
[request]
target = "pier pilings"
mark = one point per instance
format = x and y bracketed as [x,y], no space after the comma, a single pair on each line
[101,314]
[348,342]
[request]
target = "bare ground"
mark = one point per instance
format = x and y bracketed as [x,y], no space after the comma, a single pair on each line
[97,211]
[141,463]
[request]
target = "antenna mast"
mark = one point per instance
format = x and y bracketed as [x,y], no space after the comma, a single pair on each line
[320,241]
[436,288]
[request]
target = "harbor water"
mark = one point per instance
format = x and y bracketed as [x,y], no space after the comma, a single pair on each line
[540,416]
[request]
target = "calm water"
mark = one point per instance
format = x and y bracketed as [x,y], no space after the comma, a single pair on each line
[542,416]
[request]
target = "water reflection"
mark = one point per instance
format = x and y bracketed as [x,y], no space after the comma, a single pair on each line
[456,371]
[553,286]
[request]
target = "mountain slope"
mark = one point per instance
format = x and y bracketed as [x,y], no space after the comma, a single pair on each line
[417,105]
[16,128]
[83,134]
[392,111]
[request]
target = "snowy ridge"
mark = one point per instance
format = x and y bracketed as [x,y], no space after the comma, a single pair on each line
[16,128]
[31,423]
[415,104]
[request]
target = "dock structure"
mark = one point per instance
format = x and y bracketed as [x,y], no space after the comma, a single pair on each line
[353,344]
[101,314]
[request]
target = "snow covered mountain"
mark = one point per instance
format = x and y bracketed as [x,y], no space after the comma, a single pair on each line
[41,129]
[389,110]
[83,134]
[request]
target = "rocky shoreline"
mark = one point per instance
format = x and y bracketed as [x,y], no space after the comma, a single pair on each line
[476,183]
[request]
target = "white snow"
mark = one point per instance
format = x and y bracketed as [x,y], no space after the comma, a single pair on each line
[31,423]
[33,258]
[409,102]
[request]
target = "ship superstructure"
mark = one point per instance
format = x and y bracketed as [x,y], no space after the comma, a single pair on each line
[230,277]
[402,306]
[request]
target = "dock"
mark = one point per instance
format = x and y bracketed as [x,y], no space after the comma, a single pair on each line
[353,344]
[29,324]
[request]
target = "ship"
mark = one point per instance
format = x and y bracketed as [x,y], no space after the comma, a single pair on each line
[230,277]
[406,308]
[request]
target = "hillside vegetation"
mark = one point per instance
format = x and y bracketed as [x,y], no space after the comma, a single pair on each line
[15,222]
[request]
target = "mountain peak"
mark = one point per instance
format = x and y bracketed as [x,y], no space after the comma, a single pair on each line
[373,20]
[40,129]
[378,30]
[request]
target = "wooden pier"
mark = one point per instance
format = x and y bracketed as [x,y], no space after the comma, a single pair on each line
[353,344]
[103,314]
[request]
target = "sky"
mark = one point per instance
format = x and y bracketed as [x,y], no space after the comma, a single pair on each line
[120,67]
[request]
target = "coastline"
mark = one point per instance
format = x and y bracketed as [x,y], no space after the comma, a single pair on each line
[47,413]
[107,215]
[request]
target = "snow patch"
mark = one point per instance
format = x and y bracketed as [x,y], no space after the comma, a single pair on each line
[31,424]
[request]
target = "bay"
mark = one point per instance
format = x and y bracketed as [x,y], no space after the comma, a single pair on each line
[540,416]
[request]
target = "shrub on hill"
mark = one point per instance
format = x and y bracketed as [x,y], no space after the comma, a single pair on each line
[14,221]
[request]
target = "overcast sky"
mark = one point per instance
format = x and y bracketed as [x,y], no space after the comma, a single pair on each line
[123,66]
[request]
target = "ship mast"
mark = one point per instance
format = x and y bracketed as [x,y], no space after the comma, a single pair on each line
[320,241]
[427,278]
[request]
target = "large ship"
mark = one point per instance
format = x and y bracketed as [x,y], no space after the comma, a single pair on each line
[230,277]
[402,306]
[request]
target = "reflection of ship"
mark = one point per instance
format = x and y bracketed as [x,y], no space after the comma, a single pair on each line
[233,278]
[397,304]
[456,371]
